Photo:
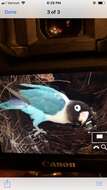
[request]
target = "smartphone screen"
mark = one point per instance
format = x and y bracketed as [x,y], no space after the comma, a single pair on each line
[52,101]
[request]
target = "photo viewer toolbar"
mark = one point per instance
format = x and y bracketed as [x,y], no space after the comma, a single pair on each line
[53,183]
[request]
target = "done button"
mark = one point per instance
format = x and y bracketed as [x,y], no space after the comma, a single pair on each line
[10,12]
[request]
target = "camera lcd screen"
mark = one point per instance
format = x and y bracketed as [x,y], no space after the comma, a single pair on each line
[54,113]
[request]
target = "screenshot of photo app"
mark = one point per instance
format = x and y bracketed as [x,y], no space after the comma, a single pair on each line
[53,84]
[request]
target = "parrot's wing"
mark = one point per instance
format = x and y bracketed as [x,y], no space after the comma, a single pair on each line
[36,115]
[44,98]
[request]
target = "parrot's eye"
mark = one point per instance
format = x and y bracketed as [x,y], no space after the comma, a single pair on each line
[77,108]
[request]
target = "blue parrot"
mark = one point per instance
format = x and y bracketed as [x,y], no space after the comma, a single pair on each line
[43,103]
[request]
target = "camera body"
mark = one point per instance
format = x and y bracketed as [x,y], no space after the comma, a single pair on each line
[28,37]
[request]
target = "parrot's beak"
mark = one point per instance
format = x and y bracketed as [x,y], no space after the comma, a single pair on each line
[83,117]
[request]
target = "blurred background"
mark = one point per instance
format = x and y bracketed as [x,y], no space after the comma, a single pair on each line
[24,37]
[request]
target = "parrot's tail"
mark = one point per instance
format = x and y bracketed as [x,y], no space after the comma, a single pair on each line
[15,104]
[11,104]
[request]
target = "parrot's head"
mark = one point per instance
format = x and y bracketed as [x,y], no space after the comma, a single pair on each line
[79,113]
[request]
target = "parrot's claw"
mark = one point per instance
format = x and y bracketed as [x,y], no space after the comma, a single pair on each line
[39,131]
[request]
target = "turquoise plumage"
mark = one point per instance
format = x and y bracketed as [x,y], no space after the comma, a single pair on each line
[43,103]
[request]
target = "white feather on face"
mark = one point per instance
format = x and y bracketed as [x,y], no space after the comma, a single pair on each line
[83,116]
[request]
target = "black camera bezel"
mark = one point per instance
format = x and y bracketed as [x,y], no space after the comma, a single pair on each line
[88,62]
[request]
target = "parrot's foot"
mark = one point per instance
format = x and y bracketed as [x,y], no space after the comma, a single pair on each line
[39,131]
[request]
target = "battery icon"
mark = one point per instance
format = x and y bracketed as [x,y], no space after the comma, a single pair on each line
[99,137]
[101,2]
